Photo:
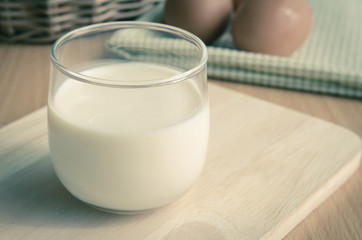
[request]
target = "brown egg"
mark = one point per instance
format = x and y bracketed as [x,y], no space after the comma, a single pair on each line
[207,19]
[276,27]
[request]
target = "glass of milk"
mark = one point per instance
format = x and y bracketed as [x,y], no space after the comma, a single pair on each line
[128,114]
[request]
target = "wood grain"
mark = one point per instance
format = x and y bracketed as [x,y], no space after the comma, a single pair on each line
[267,169]
[24,77]
[340,217]
[24,71]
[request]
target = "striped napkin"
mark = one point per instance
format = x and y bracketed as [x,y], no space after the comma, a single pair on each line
[329,62]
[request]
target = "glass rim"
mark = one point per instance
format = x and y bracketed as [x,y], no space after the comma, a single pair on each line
[131,24]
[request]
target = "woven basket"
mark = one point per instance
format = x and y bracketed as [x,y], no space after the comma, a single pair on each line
[42,21]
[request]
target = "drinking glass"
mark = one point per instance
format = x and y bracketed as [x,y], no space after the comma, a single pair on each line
[128,114]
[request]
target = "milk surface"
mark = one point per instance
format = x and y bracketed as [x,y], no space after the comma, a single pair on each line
[128,149]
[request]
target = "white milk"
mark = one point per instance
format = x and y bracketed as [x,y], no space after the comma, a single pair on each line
[128,149]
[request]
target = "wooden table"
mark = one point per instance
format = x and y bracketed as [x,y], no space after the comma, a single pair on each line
[24,74]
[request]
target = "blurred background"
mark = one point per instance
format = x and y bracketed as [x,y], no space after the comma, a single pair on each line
[43,21]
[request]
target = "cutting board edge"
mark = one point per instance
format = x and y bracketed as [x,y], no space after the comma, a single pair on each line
[38,113]
[298,214]
[284,227]
[342,128]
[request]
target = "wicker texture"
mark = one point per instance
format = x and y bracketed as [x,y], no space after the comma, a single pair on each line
[44,21]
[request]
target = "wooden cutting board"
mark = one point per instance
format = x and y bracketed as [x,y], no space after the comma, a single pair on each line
[267,168]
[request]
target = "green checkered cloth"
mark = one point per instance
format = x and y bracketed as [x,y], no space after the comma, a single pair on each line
[148,45]
[329,62]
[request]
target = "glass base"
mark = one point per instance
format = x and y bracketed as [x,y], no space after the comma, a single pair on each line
[117,211]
